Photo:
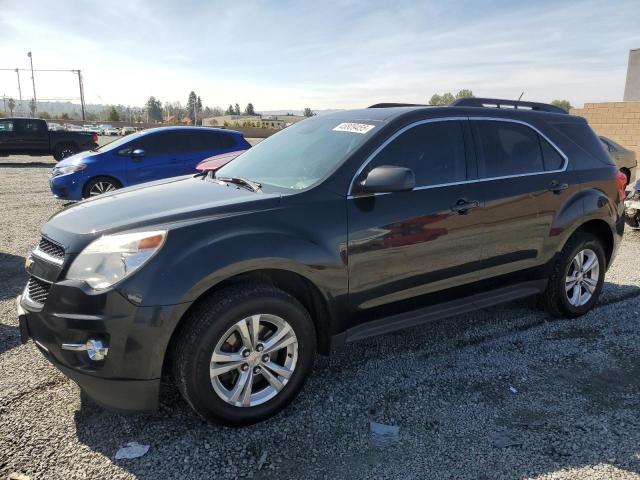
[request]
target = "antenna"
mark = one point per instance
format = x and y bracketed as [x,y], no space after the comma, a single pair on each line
[520,97]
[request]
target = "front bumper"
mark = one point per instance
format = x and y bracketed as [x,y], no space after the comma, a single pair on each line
[67,187]
[128,379]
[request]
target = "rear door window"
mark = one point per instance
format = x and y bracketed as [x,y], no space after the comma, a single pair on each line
[506,148]
[435,151]
[203,141]
[552,159]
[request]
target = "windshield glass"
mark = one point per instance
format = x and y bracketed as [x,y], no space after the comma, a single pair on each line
[302,154]
[119,143]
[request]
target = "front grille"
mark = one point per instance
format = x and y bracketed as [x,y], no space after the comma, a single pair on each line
[50,248]
[38,290]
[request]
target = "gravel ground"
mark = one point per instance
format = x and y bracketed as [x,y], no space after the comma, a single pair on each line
[500,393]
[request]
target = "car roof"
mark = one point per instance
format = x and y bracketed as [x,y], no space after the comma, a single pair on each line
[190,129]
[392,113]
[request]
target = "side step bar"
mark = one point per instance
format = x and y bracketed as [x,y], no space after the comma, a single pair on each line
[438,312]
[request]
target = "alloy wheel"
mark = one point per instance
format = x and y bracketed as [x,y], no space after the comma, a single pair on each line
[582,277]
[254,360]
[99,188]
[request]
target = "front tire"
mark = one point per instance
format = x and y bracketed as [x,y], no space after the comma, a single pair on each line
[577,277]
[99,185]
[243,354]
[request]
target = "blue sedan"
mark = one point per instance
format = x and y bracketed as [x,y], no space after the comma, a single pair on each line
[141,157]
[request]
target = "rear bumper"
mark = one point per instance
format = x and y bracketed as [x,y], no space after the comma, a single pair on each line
[128,379]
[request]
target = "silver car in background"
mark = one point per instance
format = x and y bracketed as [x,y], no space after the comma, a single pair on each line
[625,159]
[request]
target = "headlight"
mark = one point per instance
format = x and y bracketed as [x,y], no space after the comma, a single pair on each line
[68,169]
[111,258]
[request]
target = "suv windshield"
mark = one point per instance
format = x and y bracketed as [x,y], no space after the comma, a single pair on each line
[118,143]
[302,154]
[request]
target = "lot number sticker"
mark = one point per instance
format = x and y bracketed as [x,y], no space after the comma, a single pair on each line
[353,128]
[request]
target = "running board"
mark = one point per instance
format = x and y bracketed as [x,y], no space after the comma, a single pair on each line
[440,311]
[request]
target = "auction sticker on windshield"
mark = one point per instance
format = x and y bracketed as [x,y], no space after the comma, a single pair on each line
[353,128]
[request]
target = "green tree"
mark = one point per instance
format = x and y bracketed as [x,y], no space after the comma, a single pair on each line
[198,113]
[65,116]
[12,105]
[563,104]
[113,115]
[249,110]
[192,104]
[237,109]
[464,93]
[435,99]
[230,110]
[448,98]
[308,112]
[154,109]
[44,116]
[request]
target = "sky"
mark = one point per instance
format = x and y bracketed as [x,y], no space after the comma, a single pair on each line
[319,54]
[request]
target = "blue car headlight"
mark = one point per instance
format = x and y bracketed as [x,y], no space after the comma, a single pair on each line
[57,171]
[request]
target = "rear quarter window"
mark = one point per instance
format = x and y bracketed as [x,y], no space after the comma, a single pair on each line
[582,136]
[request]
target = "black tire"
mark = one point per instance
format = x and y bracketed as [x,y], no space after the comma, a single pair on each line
[94,182]
[204,327]
[555,299]
[65,150]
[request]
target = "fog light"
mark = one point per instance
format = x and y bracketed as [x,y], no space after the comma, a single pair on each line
[96,349]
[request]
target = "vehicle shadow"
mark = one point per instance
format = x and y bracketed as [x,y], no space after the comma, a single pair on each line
[27,164]
[13,276]
[445,383]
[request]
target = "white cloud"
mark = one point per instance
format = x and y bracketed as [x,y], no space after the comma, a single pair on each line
[334,54]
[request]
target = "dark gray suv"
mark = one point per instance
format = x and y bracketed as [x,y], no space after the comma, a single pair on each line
[340,227]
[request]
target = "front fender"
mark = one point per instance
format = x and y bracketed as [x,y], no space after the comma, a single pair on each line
[194,259]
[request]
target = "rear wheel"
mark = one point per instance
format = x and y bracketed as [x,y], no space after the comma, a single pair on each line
[577,278]
[99,185]
[64,151]
[243,354]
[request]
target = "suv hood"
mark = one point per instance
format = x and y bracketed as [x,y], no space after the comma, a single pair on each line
[176,200]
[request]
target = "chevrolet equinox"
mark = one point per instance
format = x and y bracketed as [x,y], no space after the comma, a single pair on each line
[338,228]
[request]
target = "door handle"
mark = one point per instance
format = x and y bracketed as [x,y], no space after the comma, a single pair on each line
[557,187]
[462,206]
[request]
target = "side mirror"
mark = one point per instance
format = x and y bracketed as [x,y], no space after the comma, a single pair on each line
[138,153]
[388,178]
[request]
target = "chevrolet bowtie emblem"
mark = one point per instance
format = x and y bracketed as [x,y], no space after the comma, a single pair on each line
[28,262]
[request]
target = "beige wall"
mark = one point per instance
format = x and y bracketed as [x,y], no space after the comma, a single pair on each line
[619,121]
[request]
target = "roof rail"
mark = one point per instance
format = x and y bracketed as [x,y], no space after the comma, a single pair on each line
[391,105]
[500,103]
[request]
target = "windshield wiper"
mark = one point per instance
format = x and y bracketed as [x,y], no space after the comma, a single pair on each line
[245,182]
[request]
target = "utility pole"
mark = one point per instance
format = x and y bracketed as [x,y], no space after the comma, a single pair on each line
[19,89]
[81,93]
[33,80]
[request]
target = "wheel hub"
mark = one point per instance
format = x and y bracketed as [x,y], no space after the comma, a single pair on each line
[254,360]
[582,277]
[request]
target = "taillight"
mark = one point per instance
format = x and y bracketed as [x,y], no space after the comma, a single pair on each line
[94,138]
[621,181]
